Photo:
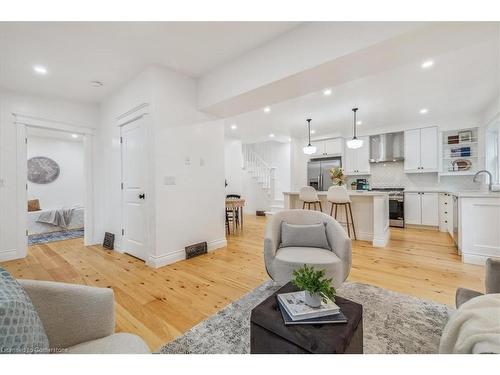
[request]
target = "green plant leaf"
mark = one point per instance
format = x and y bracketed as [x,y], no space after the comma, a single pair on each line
[314,281]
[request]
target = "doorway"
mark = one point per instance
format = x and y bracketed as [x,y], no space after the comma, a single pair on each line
[55,187]
[65,204]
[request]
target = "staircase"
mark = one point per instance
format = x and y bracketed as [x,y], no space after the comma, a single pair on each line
[263,174]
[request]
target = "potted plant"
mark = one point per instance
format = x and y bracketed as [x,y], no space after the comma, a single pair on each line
[317,288]
[337,175]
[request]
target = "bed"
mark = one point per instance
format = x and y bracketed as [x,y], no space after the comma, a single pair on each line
[35,227]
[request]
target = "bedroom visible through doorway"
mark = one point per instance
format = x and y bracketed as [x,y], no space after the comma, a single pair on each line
[55,185]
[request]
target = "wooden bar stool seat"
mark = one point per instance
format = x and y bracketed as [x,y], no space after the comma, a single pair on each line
[338,196]
[309,196]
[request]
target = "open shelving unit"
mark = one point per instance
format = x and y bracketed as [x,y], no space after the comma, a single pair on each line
[460,148]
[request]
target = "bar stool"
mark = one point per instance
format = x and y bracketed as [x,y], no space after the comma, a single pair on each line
[337,195]
[309,196]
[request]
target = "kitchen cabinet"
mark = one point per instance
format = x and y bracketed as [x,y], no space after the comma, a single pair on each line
[422,208]
[446,213]
[478,228]
[430,209]
[421,150]
[333,146]
[357,161]
[328,147]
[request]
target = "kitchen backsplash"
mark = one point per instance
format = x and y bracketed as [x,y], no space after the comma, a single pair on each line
[392,175]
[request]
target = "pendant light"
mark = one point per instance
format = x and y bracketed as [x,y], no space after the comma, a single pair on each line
[309,149]
[354,142]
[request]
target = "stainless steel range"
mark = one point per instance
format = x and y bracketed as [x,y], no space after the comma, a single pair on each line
[396,206]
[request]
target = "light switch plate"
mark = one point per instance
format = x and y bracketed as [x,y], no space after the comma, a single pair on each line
[169,180]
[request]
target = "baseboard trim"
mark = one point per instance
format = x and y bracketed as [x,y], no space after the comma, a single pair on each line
[475,259]
[11,254]
[426,227]
[157,261]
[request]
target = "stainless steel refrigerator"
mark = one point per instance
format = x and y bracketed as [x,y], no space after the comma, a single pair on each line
[318,172]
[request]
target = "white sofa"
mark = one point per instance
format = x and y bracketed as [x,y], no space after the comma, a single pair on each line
[281,262]
[80,319]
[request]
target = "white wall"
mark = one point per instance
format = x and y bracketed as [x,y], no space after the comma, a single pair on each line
[80,114]
[68,189]
[190,211]
[233,163]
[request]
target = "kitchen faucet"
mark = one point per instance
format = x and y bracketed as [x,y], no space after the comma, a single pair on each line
[488,173]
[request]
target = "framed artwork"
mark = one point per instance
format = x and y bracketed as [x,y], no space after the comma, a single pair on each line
[465,136]
[42,170]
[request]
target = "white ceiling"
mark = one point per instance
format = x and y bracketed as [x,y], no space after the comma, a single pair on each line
[460,85]
[76,53]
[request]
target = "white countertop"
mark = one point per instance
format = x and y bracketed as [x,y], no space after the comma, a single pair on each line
[350,192]
[460,194]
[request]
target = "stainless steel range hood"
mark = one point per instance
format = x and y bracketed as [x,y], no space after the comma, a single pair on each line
[387,147]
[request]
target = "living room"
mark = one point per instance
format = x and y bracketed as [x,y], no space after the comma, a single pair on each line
[241,170]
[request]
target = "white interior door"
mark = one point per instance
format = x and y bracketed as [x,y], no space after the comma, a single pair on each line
[134,234]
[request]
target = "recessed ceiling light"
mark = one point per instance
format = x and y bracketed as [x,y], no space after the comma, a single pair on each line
[267,109]
[271,135]
[313,131]
[74,135]
[234,126]
[423,111]
[327,92]
[359,122]
[96,83]
[39,69]
[427,64]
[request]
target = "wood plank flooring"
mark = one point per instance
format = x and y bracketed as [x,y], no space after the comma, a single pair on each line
[161,304]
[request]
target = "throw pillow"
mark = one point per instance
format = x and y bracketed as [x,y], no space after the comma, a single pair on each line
[21,330]
[304,235]
[33,205]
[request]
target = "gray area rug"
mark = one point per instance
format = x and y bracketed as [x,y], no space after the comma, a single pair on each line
[393,323]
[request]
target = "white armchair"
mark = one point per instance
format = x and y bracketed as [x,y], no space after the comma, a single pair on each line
[80,319]
[281,262]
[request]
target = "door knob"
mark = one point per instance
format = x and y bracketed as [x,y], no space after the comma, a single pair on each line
[142,196]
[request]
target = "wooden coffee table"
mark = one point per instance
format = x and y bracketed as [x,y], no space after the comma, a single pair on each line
[269,335]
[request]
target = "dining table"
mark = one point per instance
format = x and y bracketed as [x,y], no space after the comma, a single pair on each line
[235,205]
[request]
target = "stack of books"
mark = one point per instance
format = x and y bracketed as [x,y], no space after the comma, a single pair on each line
[295,311]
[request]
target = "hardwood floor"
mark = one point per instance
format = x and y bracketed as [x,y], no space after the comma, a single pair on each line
[161,304]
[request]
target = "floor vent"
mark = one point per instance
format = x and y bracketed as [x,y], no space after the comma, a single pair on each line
[196,249]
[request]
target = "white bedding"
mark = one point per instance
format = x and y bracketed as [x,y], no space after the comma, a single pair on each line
[36,228]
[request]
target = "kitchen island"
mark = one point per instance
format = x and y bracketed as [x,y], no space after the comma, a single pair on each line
[370,210]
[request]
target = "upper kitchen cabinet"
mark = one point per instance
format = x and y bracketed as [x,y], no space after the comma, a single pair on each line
[357,161]
[328,147]
[421,150]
